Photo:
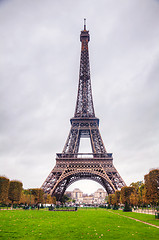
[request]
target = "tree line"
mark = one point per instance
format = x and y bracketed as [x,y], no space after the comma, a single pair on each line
[12,192]
[138,193]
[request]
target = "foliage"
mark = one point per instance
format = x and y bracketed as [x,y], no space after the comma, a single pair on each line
[136,185]
[117,197]
[127,207]
[125,194]
[142,195]
[152,186]
[111,199]
[4,187]
[65,198]
[38,194]
[135,197]
[106,198]
[54,200]
[15,190]
[26,197]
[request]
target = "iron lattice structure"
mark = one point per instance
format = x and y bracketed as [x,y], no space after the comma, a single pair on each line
[71,165]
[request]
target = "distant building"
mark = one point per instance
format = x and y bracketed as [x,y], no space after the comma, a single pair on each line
[88,199]
[77,195]
[99,196]
[96,198]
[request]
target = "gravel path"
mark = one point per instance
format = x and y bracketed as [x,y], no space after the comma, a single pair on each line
[137,220]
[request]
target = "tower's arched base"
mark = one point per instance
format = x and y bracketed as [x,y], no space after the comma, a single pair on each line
[70,170]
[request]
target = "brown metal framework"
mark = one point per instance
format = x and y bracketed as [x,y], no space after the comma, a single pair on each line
[72,166]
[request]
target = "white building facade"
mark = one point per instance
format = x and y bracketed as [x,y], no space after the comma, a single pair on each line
[94,199]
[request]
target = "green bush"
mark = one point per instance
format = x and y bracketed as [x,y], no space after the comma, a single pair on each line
[127,208]
[115,207]
[4,186]
[15,190]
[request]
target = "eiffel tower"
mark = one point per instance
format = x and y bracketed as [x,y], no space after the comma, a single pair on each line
[71,165]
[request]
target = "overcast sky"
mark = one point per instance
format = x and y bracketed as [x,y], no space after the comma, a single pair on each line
[39,68]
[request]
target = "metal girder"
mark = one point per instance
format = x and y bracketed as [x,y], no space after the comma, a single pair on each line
[77,172]
[69,166]
[84,105]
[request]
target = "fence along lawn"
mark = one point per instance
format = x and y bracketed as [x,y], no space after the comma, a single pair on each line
[83,224]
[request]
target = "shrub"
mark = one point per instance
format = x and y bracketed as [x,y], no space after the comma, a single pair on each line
[4,187]
[15,190]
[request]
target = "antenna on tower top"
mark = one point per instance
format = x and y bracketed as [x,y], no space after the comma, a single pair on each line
[84,23]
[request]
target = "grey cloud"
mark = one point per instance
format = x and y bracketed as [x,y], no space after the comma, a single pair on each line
[39,66]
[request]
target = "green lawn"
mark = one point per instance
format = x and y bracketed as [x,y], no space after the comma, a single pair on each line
[140,216]
[83,224]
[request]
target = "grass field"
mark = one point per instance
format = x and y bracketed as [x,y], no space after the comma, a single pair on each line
[83,224]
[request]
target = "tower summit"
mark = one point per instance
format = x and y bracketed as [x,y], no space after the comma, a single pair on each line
[70,165]
[84,23]
[84,104]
